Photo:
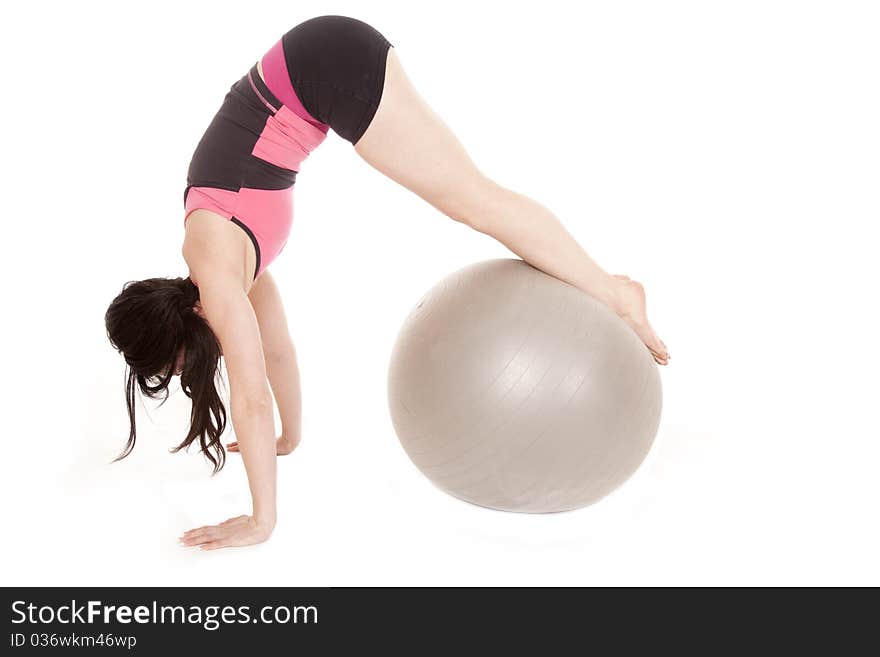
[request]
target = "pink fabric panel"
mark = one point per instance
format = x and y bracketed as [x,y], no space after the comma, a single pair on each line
[221,201]
[277,78]
[287,140]
[269,215]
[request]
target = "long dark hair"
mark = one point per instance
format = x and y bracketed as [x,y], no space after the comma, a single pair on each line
[149,322]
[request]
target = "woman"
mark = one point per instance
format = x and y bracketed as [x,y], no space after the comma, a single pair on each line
[327,73]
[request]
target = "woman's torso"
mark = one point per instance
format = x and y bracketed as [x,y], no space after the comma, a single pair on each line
[245,166]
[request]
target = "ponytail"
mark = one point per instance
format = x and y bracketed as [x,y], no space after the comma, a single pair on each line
[149,322]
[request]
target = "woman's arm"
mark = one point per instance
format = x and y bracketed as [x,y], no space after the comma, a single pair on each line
[225,305]
[280,358]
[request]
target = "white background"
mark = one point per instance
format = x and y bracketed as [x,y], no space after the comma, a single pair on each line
[726,154]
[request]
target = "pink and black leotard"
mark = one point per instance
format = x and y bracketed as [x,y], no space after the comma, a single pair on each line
[327,72]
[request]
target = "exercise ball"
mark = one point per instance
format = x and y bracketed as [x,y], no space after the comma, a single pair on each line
[513,390]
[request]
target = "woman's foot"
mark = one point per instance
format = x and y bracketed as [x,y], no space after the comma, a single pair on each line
[283,446]
[629,303]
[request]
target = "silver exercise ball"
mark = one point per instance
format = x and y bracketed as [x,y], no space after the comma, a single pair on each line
[513,390]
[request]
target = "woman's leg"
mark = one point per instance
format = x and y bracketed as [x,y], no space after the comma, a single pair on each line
[409,143]
[280,357]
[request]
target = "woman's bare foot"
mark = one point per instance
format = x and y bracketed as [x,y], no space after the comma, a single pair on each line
[283,446]
[629,304]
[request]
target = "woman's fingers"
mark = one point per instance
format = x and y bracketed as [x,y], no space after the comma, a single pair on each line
[234,538]
[197,529]
[218,537]
[199,537]
[215,534]
[225,522]
[213,545]
[212,533]
[232,447]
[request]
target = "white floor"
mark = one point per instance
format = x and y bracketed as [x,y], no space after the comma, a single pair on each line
[725,156]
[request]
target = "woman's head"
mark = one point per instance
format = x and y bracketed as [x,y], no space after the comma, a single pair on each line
[155,324]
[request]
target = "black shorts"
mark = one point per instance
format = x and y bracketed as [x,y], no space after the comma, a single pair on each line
[336,66]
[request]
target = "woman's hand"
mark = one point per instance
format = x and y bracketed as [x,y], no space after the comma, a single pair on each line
[235,532]
[283,446]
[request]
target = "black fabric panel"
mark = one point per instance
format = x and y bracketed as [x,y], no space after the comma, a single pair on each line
[265,175]
[337,69]
[223,157]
